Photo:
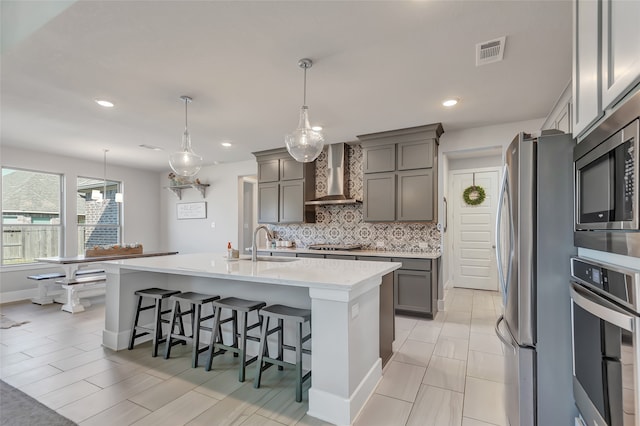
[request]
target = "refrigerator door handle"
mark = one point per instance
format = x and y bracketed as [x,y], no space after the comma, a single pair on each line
[503,339]
[498,245]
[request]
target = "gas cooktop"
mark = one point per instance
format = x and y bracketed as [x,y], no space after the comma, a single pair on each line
[334,246]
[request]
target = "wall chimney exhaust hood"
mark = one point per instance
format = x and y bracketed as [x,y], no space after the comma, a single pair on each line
[336,170]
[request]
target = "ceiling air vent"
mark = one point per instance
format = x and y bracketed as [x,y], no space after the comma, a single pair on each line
[490,51]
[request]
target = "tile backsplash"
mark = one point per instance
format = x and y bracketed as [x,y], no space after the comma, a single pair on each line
[343,224]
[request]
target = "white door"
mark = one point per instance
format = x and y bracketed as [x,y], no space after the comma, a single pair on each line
[474,264]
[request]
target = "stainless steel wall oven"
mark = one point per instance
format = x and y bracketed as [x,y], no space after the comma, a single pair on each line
[606,346]
[606,184]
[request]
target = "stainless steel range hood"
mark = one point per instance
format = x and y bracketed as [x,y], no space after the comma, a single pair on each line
[337,193]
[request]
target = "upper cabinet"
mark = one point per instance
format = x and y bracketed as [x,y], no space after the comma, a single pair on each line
[606,57]
[400,174]
[283,186]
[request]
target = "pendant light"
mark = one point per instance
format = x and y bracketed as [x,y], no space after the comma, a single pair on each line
[304,144]
[185,162]
[96,195]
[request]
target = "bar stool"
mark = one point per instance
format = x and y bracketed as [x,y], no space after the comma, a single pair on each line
[282,313]
[157,295]
[195,301]
[238,348]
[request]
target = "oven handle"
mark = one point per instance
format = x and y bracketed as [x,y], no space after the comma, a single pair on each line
[601,307]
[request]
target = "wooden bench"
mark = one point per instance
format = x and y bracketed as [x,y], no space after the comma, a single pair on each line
[73,303]
[45,282]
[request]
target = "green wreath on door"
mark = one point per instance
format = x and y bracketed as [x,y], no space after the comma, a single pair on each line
[474,195]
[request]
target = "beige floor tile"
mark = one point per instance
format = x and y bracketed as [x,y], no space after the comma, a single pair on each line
[484,400]
[415,352]
[461,303]
[155,398]
[401,337]
[458,317]
[401,381]
[66,378]
[485,343]
[486,314]
[16,358]
[384,411]
[45,349]
[68,394]
[93,404]
[82,358]
[178,411]
[283,407]
[30,376]
[460,331]
[483,326]
[436,407]
[256,420]
[486,366]
[220,386]
[239,405]
[307,420]
[466,421]
[426,333]
[405,323]
[451,347]
[123,413]
[446,373]
[29,364]
[117,373]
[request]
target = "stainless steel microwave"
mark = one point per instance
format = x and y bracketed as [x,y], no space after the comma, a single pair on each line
[606,183]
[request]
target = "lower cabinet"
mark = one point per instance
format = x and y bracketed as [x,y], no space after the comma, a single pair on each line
[416,288]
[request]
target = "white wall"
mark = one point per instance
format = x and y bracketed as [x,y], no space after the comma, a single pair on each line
[141,214]
[467,141]
[197,235]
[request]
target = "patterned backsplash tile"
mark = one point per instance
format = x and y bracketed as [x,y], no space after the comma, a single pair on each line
[343,224]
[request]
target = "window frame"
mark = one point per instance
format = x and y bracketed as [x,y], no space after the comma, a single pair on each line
[84,226]
[61,225]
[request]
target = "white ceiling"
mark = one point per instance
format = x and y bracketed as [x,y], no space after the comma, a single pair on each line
[378,65]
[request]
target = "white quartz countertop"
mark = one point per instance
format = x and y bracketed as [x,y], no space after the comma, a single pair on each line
[300,272]
[378,253]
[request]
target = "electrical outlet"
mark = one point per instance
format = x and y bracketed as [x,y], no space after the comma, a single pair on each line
[379,243]
[213,225]
[423,245]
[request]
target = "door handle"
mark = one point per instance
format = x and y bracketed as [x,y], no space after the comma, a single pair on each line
[501,337]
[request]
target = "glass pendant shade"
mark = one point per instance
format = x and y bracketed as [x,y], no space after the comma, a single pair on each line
[304,144]
[185,162]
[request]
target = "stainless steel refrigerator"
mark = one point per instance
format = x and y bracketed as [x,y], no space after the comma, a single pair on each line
[534,243]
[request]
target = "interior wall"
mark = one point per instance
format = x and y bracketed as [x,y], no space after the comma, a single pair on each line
[141,207]
[221,224]
[471,146]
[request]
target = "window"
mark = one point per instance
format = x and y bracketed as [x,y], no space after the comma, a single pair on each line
[31,212]
[98,216]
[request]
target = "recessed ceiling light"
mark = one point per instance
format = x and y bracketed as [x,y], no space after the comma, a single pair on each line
[104,103]
[317,128]
[450,102]
[226,144]
[151,147]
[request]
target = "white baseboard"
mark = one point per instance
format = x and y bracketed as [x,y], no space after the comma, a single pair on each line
[18,295]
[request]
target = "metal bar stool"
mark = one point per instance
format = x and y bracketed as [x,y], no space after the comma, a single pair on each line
[282,313]
[238,347]
[157,295]
[195,301]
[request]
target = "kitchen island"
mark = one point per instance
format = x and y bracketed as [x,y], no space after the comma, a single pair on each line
[343,296]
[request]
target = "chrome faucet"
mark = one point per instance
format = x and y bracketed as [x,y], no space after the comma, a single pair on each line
[254,248]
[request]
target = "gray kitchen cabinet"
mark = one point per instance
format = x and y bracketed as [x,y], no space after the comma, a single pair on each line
[269,170]
[291,209]
[416,288]
[415,155]
[311,255]
[283,187]
[340,256]
[379,158]
[379,197]
[408,191]
[414,199]
[268,204]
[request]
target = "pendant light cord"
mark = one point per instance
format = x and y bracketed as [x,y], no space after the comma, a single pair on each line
[304,90]
[186,101]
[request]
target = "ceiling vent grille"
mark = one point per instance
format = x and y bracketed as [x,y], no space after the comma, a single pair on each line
[490,51]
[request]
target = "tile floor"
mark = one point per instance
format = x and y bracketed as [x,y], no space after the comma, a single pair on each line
[447,371]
